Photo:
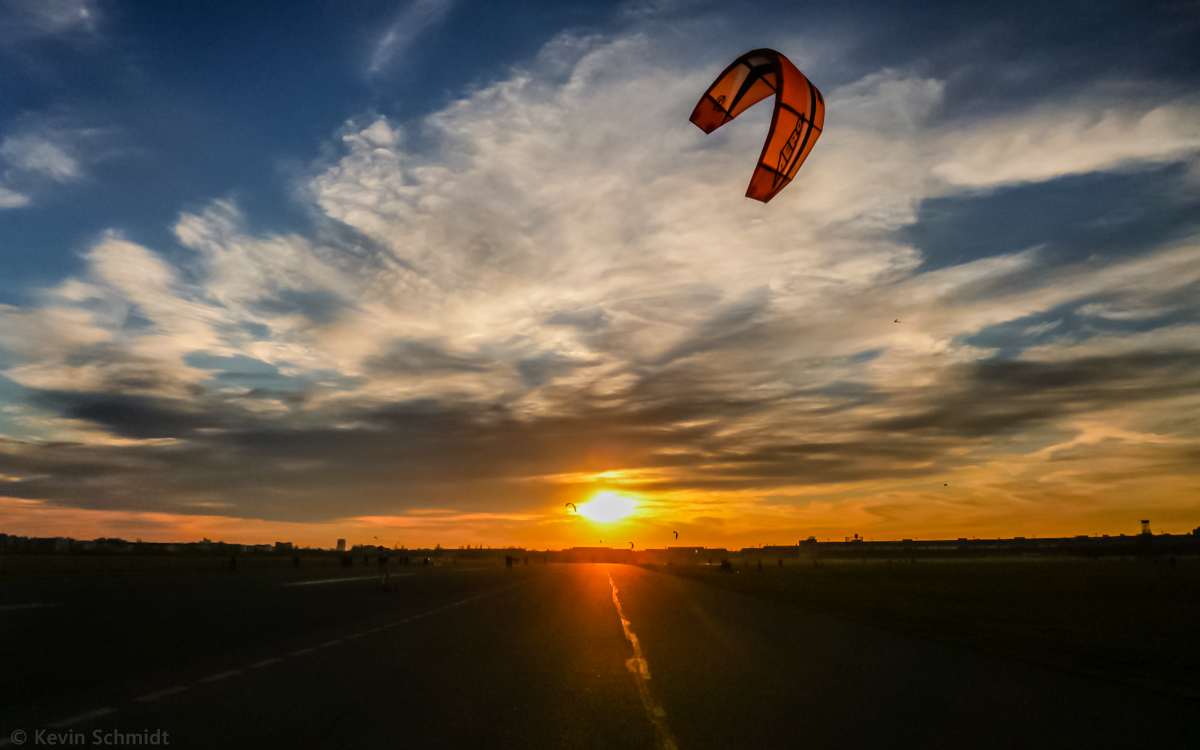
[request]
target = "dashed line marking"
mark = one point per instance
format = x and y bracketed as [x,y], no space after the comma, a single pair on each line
[161,694]
[302,652]
[222,675]
[352,637]
[641,673]
[265,663]
[327,644]
[82,717]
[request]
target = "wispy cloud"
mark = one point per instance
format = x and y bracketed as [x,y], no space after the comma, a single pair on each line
[35,18]
[417,18]
[31,153]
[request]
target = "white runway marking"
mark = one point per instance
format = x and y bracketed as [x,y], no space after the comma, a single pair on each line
[340,580]
[265,663]
[82,717]
[5,741]
[161,694]
[641,672]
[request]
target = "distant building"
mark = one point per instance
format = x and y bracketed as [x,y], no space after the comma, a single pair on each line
[341,545]
[283,546]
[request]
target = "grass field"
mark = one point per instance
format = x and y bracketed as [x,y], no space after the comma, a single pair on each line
[1127,619]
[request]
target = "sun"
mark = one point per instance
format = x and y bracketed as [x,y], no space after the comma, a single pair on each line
[607,507]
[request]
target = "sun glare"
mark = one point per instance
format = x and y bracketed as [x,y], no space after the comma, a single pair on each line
[607,507]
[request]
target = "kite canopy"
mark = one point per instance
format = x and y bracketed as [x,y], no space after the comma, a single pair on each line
[572,507]
[795,126]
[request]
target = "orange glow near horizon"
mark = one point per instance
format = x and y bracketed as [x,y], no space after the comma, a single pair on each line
[1004,497]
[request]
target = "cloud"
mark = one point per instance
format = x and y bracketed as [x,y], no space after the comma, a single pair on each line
[30,153]
[414,20]
[554,285]
[10,199]
[42,154]
[1057,140]
[39,18]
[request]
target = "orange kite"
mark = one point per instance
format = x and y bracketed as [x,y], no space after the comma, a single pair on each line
[795,126]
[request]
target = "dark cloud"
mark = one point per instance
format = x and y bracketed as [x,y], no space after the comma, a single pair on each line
[729,326]
[587,321]
[321,306]
[992,397]
[136,417]
[536,371]
[415,356]
[483,457]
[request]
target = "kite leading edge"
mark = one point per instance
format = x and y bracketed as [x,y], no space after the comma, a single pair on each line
[795,126]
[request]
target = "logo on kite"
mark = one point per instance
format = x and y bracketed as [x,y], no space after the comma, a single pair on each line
[795,126]
[572,507]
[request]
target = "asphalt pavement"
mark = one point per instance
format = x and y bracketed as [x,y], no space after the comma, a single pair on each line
[537,656]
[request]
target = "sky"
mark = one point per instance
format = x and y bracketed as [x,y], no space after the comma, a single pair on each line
[425,272]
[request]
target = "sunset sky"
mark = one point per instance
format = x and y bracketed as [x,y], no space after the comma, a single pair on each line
[428,271]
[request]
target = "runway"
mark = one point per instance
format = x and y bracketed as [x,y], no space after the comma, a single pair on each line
[537,656]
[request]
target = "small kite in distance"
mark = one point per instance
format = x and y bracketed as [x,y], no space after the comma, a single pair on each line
[572,507]
[676,533]
[631,545]
[795,125]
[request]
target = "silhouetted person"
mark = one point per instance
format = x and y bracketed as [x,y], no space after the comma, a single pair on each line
[366,560]
[1171,561]
[295,561]
[781,562]
[760,563]
[233,562]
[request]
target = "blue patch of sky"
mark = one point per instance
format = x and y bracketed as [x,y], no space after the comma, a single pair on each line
[13,419]
[244,371]
[1101,216]
[865,356]
[1084,319]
